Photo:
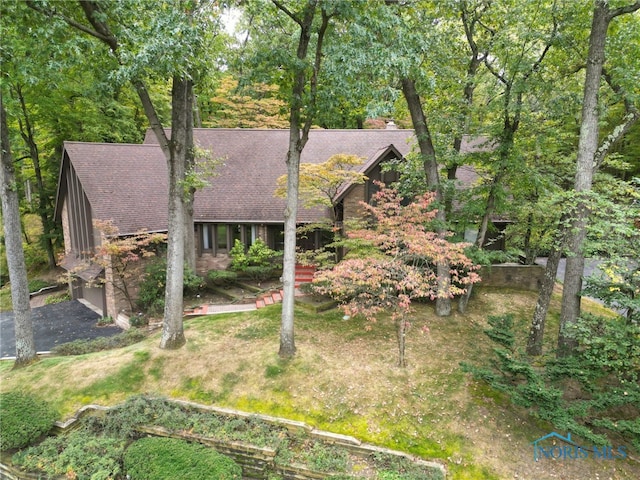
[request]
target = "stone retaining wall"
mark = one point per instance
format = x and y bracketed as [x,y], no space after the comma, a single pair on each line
[512,275]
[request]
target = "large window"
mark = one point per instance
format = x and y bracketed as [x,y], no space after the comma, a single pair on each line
[207,238]
[275,237]
[220,238]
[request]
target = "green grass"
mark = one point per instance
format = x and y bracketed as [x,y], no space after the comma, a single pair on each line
[343,379]
[128,378]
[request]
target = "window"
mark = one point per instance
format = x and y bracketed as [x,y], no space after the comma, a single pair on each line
[221,236]
[207,238]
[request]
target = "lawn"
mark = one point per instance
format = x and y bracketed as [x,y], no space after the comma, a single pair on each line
[343,379]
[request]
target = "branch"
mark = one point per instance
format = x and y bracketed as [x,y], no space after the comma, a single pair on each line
[538,62]
[631,117]
[288,12]
[494,72]
[102,32]
[91,12]
[316,69]
[152,116]
[71,22]
[622,10]
[607,144]
[618,90]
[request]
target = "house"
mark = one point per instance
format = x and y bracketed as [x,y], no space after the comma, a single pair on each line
[128,184]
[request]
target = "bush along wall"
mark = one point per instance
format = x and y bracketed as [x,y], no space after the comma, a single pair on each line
[24,419]
[262,446]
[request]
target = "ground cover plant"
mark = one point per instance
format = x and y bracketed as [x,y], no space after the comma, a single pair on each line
[101,444]
[81,347]
[604,400]
[343,379]
[169,458]
[24,419]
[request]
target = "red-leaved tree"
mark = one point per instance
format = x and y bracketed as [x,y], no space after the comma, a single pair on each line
[119,255]
[395,263]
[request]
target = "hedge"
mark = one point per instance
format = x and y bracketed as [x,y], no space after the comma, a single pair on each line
[160,458]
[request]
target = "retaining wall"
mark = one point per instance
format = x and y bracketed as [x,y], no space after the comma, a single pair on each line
[513,275]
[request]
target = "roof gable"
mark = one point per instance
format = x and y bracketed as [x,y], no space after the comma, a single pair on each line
[123,182]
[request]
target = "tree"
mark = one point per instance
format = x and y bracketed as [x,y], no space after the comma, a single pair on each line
[396,262]
[586,163]
[166,44]
[84,106]
[319,183]
[246,106]
[119,255]
[311,20]
[25,344]
[318,187]
[514,75]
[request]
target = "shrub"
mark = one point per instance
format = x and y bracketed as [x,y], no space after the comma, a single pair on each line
[239,260]
[78,454]
[80,347]
[57,298]
[35,257]
[258,261]
[221,277]
[24,419]
[259,272]
[324,458]
[152,287]
[604,369]
[169,458]
[36,284]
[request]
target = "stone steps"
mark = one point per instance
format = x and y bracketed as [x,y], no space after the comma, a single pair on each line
[304,274]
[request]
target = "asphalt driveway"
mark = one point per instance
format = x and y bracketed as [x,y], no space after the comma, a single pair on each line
[54,325]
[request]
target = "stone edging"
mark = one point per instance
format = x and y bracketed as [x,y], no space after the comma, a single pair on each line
[254,459]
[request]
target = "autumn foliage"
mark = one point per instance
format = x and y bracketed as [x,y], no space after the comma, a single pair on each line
[121,254]
[395,262]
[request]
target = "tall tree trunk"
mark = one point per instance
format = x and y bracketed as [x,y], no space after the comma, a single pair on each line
[178,153]
[25,345]
[287,336]
[26,131]
[469,21]
[586,164]
[443,301]
[536,332]
[587,146]
[298,136]
[181,146]
[190,190]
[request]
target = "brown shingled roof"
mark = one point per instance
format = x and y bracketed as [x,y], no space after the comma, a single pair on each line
[255,158]
[128,183]
[124,183]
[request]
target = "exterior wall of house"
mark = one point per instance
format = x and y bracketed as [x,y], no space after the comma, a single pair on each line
[352,208]
[95,295]
[65,227]
[208,261]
